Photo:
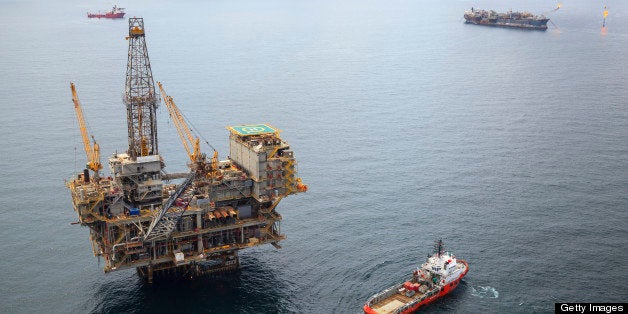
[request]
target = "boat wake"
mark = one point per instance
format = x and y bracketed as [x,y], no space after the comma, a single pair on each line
[485,292]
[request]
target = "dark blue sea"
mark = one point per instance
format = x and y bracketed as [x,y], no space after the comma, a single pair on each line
[408,126]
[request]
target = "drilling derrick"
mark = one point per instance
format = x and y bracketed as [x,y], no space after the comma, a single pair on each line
[139,170]
[194,227]
[139,94]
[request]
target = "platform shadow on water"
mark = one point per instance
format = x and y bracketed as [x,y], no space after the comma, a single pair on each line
[253,288]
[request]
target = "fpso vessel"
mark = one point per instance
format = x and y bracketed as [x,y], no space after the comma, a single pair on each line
[115,13]
[139,219]
[524,20]
[438,276]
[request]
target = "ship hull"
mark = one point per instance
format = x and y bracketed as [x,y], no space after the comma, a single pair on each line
[106,16]
[533,25]
[521,20]
[443,291]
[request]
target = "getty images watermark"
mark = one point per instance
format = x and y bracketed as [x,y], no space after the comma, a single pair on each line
[589,308]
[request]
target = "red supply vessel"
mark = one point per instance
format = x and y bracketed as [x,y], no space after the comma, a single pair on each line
[115,13]
[438,276]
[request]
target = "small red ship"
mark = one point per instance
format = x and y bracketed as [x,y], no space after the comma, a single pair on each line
[115,13]
[438,276]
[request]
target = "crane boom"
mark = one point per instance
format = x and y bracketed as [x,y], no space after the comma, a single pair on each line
[92,151]
[191,143]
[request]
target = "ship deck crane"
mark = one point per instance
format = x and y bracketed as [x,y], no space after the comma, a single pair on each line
[92,150]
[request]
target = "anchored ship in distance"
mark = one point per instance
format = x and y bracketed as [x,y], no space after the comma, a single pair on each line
[115,13]
[437,277]
[139,219]
[523,20]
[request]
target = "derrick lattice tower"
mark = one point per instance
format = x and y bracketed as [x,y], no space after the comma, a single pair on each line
[138,171]
[140,97]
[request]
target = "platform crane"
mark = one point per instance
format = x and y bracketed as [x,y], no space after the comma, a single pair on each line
[92,150]
[190,142]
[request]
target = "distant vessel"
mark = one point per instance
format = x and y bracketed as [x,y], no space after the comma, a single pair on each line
[115,13]
[438,276]
[525,20]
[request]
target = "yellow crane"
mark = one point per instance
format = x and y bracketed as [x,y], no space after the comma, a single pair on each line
[92,150]
[190,142]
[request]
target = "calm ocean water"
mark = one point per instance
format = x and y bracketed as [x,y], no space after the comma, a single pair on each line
[408,126]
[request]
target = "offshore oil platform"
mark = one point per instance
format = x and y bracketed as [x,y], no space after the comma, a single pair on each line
[137,219]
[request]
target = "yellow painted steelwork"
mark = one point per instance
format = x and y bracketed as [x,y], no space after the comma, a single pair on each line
[92,151]
[289,175]
[137,31]
[191,143]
